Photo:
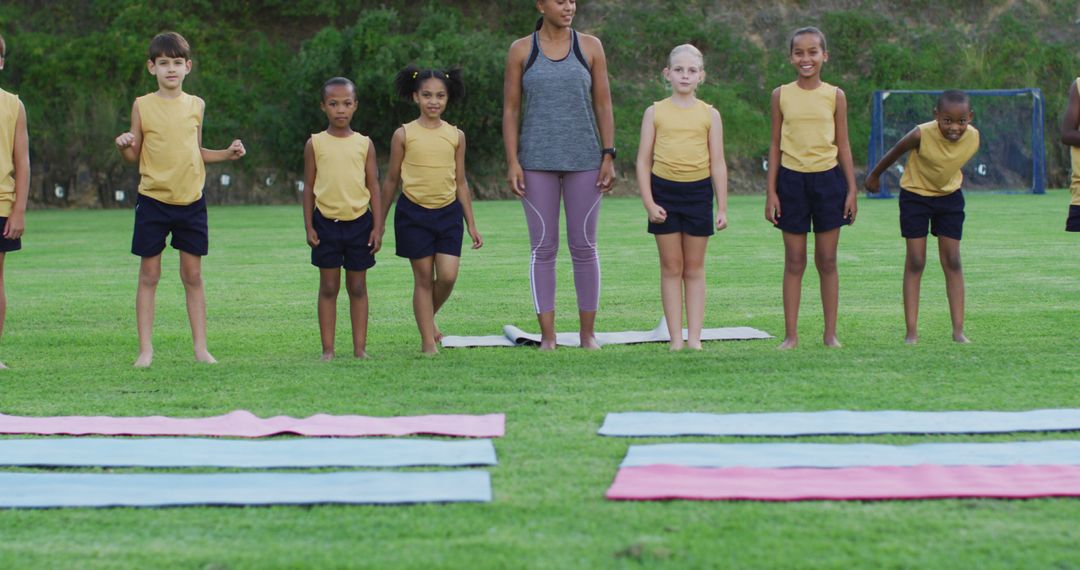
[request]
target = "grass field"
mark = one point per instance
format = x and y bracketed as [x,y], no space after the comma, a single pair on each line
[70,340]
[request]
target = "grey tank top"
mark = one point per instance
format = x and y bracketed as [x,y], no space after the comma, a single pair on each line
[558,127]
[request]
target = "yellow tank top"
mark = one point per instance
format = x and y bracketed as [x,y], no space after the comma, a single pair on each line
[1075,152]
[808,132]
[681,147]
[933,169]
[341,191]
[9,116]
[171,161]
[429,169]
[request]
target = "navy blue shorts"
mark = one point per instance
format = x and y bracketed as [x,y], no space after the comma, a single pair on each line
[688,205]
[943,216]
[343,244]
[7,245]
[807,197]
[154,220]
[422,232]
[1072,224]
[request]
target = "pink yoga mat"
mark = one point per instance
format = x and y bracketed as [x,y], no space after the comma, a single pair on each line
[663,482]
[243,423]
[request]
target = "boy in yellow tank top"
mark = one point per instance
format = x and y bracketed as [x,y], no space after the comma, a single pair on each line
[680,165]
[811,179]
[341,213]
[1070,136]
[428,157]
[931,201]
[166,140]
[14,178]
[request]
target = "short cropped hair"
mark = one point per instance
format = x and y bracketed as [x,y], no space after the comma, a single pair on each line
[804,31]
[169,44]
[685,48]
[333,81]
[952,96]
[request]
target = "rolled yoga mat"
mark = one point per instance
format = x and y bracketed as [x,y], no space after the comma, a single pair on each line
[513,336]
[49,490]
[185,452]
[664,482]
[838,422]
[824,455]
[243,423]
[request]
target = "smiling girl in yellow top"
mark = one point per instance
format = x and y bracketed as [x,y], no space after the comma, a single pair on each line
[680,165]
[811,178]
[428,157]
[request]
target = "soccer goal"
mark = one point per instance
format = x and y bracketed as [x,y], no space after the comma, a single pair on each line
[1012,153]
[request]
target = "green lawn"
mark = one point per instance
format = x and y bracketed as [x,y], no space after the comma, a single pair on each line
[70,340]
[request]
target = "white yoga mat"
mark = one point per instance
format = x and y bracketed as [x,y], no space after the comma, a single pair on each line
[837,422]
[52,490]
[513,336]
[289,453]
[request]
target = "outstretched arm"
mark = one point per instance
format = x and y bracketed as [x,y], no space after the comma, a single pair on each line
[908,143]
[1070,125]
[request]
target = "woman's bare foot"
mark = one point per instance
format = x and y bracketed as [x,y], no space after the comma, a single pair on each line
[789,343]
[547,344]
[144,360]
[589,343]
[960,338]
[205,357]
[911,339]
[431,350]
[327,356]
[693,344]
[675,346]
[832,342]
[360,355]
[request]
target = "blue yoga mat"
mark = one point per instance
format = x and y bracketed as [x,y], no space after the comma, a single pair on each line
[191,452]
[839,422]
[50,490]
[824,455]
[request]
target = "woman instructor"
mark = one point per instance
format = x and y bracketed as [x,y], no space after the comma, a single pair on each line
[559,134]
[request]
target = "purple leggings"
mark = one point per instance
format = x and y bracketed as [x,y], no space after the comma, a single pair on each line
[582,198]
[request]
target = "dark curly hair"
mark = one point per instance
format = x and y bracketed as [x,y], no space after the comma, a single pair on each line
[408,81]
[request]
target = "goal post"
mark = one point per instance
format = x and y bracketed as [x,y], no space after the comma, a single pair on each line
[1012,153]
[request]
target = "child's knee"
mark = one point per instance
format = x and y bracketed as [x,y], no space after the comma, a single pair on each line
[825,262]
[693,272]
[357,290]
[149,277]
[915,263]
[329,289]
[795,262]
[191,277]
[950,262]
[671,267]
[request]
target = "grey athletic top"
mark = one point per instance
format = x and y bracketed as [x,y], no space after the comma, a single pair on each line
[558,127]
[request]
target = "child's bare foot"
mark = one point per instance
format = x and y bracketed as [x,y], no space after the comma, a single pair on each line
[327,356]
[205,357]
[960,338]
[3,366]
[589,343]
[693,344]
[547,344]
[911,339]
[675,346]
[144,360]
[789,343]
[431,350]
[832,342]
[359,354]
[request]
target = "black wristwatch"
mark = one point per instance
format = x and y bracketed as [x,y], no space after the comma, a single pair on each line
[609,150]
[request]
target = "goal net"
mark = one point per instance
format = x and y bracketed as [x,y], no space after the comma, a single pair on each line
[1012,153]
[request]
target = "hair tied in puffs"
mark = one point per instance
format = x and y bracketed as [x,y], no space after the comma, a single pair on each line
[414,74]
